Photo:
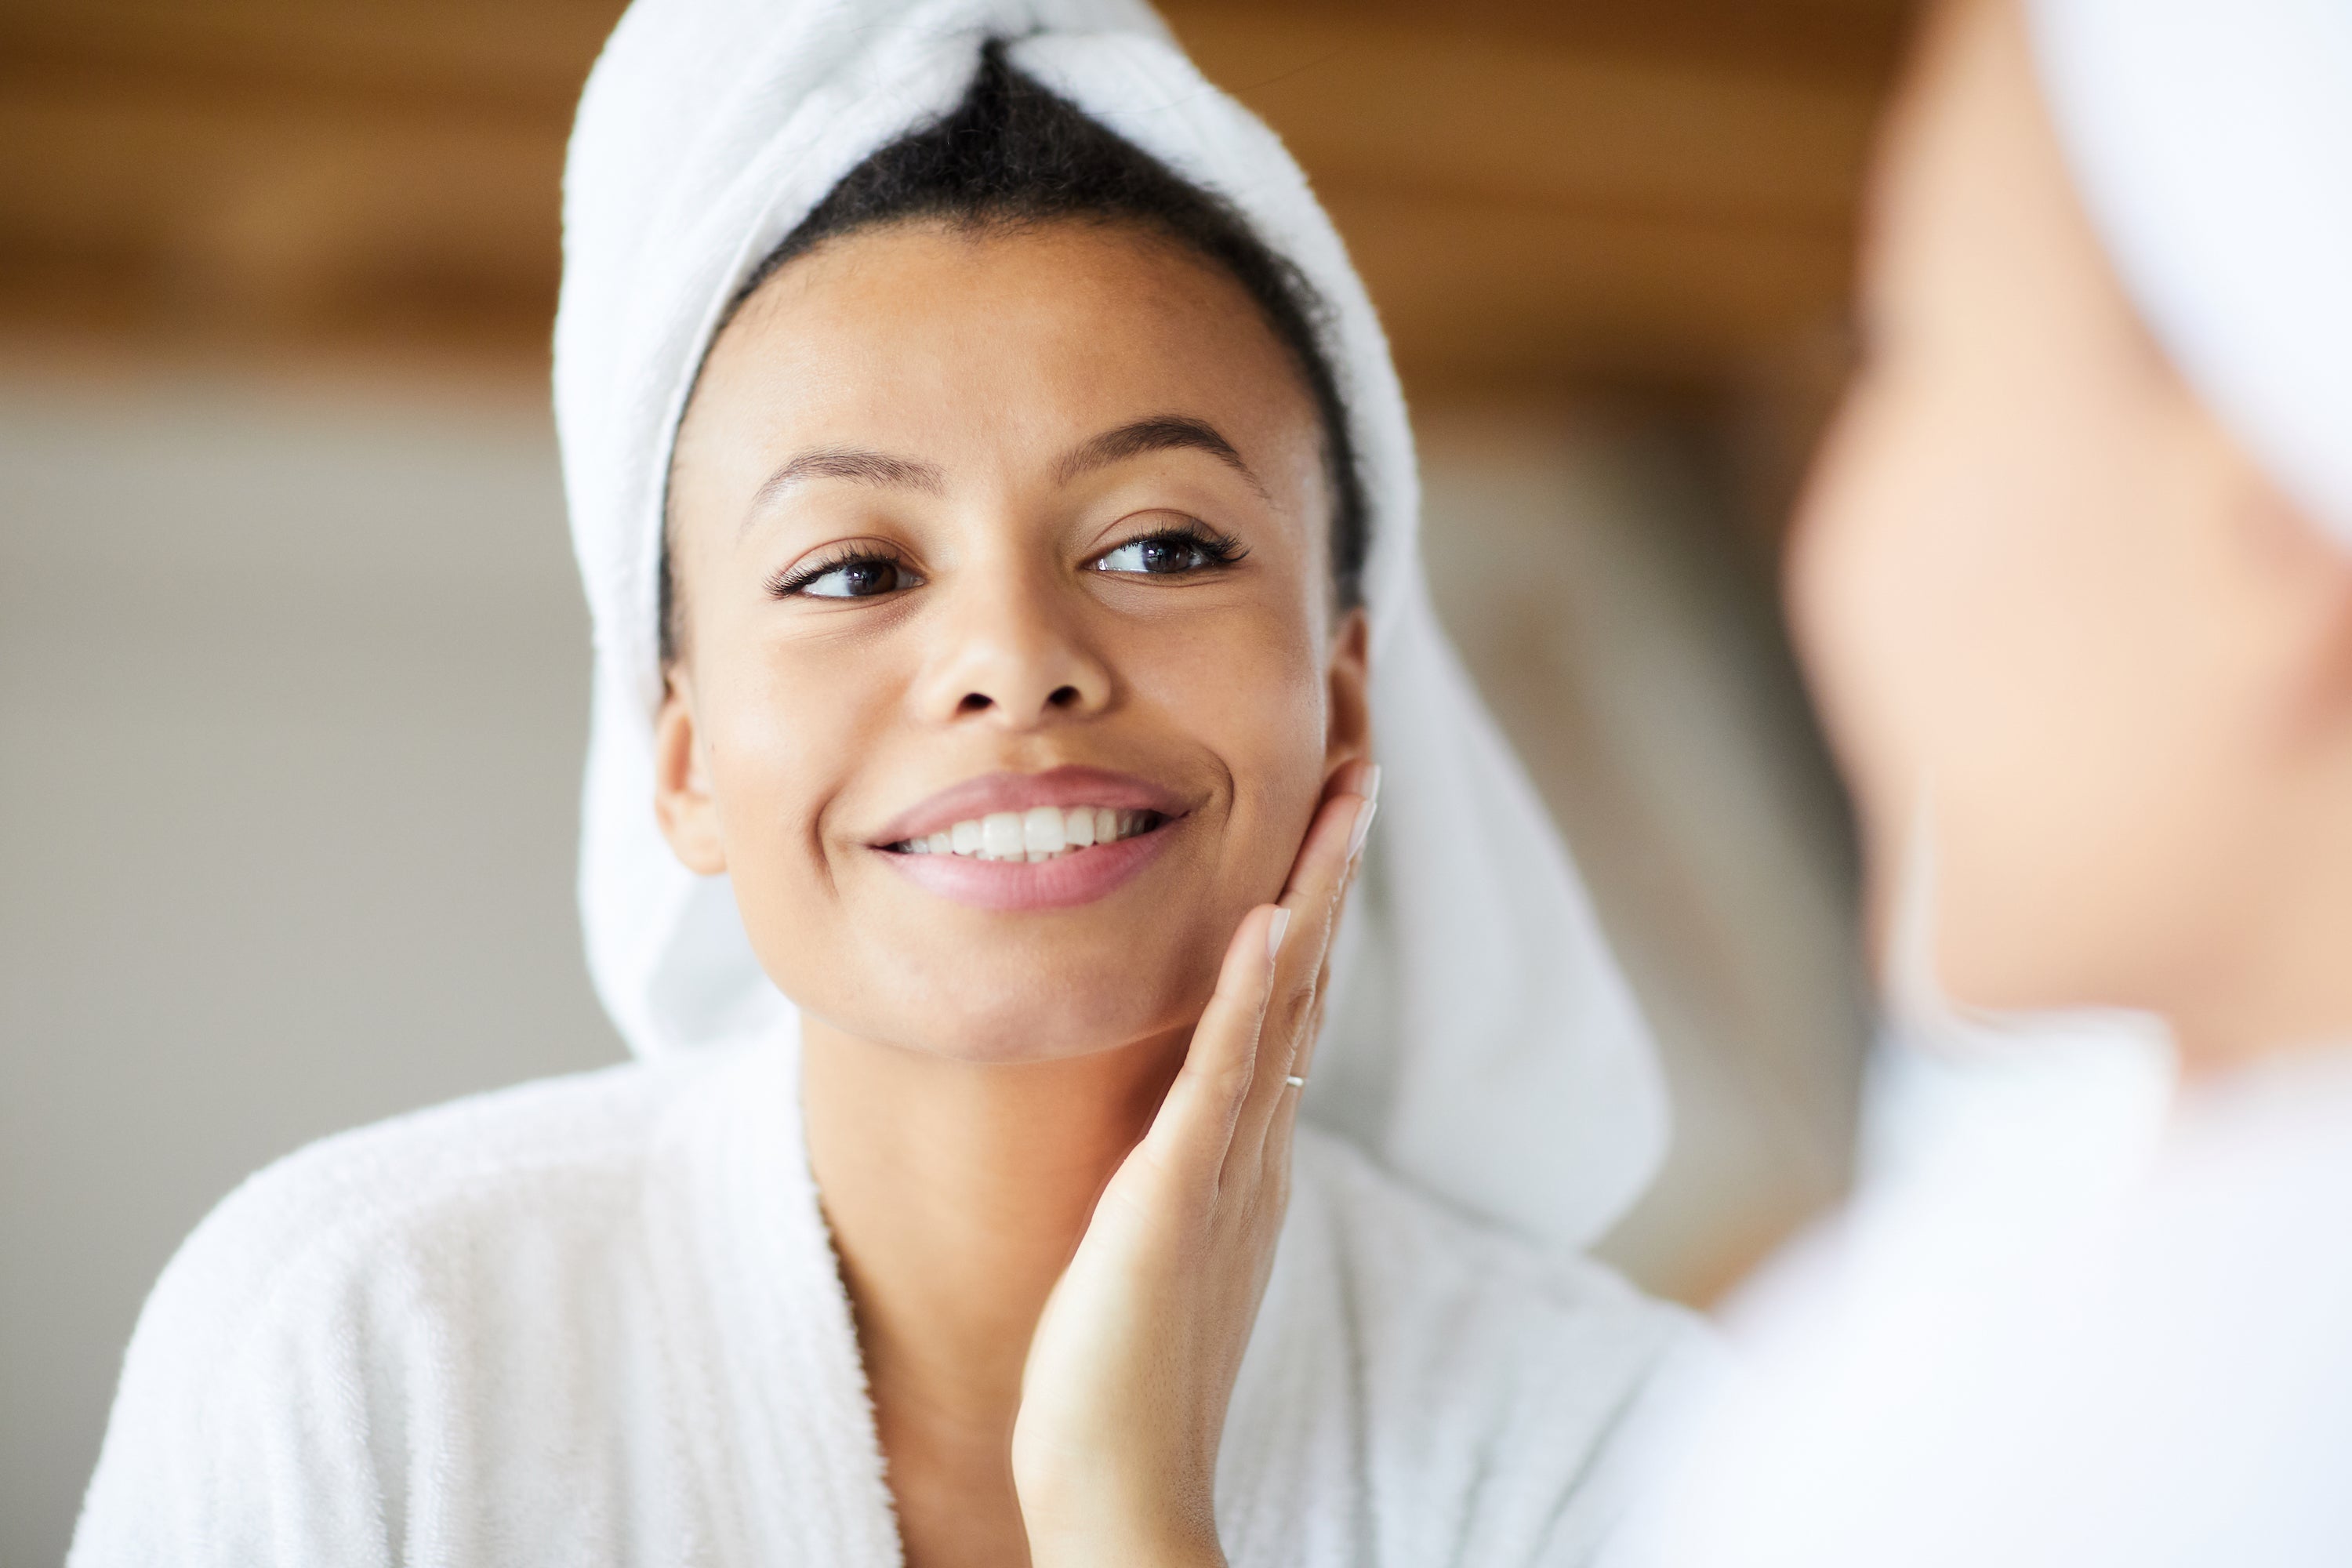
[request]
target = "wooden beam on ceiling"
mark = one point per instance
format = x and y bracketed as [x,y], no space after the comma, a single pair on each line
[1530,214]
[1537,192]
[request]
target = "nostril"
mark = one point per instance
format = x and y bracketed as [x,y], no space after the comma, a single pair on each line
[1064,697]
[973,703]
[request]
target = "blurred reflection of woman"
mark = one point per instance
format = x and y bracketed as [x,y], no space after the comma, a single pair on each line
[2073,584]
[998,513]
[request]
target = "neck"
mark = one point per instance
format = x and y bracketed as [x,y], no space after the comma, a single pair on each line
[957,1193]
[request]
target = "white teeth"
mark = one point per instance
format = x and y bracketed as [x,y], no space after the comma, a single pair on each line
[1000,835]
[1041,830]
[1041,833]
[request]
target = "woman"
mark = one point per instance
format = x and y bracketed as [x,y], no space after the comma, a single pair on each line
[2074,587]
[996,507]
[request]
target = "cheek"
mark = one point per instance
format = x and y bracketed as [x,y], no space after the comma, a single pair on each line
[1930,614]
[1987,609]
[784,726]
[1248,690]
[1862,604]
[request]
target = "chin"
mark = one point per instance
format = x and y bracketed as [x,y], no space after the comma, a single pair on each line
[960,985]
[1054,1022]
[1038,1016]
[2018,946]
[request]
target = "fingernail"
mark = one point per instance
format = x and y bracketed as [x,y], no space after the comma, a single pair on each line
[1371,790]
[1364,815]
[1273,930]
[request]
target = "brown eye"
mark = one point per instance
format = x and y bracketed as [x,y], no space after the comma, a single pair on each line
[862,578]
[1169,555]
[1159,556]
[1174,555]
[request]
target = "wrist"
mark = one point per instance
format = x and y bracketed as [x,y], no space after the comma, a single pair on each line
[1150,1527]
[1128,1548]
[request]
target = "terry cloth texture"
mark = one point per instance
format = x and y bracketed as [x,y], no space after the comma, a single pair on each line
[597,1321]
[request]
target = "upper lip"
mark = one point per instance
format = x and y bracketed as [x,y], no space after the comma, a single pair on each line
[1070,784]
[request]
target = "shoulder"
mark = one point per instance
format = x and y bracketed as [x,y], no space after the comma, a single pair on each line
[325,1304]
[355,1201]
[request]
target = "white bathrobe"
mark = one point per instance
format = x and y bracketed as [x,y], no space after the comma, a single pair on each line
[2081,1317]
[598,1320]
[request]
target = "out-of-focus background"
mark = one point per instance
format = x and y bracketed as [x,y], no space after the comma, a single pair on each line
[293,665]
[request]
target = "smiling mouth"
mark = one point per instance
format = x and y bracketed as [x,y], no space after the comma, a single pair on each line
[1041,833]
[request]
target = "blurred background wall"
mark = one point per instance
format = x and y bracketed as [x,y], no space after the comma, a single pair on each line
[293,665]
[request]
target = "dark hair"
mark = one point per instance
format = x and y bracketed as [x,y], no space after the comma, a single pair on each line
[1013,155]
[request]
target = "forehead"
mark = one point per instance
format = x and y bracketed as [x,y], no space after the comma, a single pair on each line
[980,348]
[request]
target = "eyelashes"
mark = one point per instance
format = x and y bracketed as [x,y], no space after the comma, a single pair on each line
[848,572]
[1220,548]
[1185,549]
[862,569]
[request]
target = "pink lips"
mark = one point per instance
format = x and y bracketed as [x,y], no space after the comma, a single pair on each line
[1079,877]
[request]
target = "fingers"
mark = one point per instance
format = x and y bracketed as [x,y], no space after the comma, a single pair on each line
[1196,1121]
[1319,876]
[1309,1036]
[1249,1036]
[1316,894]
[1319,880]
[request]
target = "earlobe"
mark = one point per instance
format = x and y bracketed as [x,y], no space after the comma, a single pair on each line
[683,803]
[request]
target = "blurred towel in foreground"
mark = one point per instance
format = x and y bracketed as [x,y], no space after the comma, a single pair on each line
[2094,1304]
[2080,1316]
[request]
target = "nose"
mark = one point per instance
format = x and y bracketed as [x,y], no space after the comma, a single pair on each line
[1012,651]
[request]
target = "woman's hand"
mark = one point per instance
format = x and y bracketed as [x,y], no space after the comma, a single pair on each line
[1123,1400]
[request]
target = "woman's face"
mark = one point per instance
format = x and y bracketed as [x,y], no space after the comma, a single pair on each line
[986,543]
[2036,586]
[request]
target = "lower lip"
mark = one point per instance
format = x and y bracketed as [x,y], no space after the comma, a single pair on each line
[1060,883]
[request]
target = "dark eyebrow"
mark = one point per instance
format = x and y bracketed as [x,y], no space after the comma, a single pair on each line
[1160,433]
[848,463]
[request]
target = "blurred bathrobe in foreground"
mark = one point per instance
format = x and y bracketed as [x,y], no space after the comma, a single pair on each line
[2083,1312]
[599,1321]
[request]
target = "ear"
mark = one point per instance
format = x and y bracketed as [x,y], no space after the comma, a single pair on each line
[2300,583]
[683,803]
[1348,734]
